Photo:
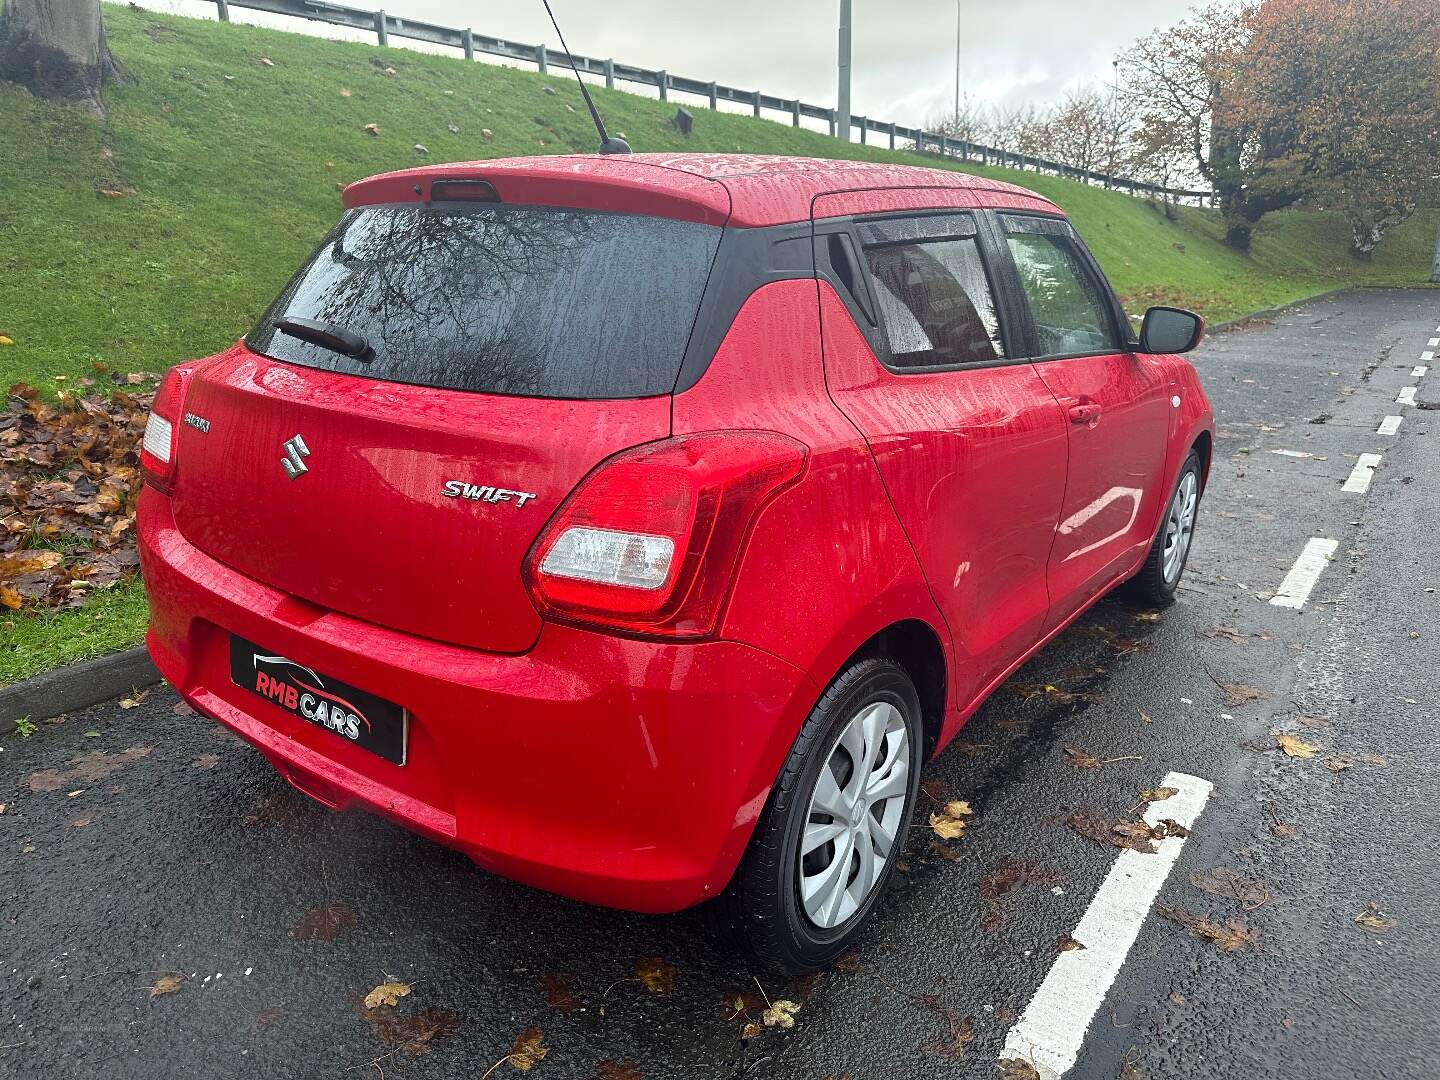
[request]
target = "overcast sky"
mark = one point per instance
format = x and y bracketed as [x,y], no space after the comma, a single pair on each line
[1013,52]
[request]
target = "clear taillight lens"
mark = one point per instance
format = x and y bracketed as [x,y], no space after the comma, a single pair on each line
[650,542]
[157,448]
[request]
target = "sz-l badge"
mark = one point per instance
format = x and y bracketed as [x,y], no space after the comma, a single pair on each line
[294,460]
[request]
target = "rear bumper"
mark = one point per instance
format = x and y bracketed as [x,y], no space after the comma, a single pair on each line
[619,772]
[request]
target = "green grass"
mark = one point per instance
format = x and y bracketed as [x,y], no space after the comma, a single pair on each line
[36,641]
[228,171]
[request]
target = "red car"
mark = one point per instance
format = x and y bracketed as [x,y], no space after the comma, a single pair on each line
[641,525]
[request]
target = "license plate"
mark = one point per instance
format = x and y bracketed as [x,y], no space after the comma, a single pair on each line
[354,715]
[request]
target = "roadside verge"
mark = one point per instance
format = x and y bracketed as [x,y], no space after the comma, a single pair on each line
[76,686]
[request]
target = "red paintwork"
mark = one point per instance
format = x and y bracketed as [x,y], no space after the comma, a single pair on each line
[620,767]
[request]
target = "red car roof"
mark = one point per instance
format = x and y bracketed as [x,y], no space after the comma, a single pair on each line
[743,189]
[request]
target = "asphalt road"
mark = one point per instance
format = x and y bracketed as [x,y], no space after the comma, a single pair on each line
[143,843]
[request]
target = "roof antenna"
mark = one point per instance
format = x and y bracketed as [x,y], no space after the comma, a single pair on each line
[607,144]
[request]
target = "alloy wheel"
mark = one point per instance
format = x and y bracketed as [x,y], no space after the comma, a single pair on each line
[1180,526]
[855,815]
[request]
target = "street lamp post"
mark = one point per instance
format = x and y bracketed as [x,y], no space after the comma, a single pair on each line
[957,59]
[842,112]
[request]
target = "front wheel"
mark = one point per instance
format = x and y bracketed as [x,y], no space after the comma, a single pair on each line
[836,822]
[1160,576]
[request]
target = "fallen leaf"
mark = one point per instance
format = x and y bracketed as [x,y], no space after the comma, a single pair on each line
[1066,943]
[1147,616]
[2,808]
[1229,633]
[1177,998]
[10,598]
[205,761]
[344,91]
[625,1070]
[372,129]
[75,794]
[1158,794]
[1018,1069]
[780,1014]
[1172,827]
[134,702]
[655,974]
[1145,717]
[1373,920]
[413,1033]
[555,989]
[951,822]
[324,923]
[1135,835]
[1222,881]
[1233,936]
[1080,759]
[6,339]
[526,1051]
[1294,746]
[1338,763]
[750,1030]
[1238,694]
[166,984]
[961,1034]
[266,61]
[81,822]
[268,1016]
[387,994]
[46,780]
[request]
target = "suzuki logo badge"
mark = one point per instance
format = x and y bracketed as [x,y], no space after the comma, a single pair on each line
[294,460]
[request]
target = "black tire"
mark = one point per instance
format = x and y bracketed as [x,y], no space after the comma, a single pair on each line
[761,911]
[1151,585]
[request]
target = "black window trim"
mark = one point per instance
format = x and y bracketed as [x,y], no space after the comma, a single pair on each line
[874,331]
[1059,225]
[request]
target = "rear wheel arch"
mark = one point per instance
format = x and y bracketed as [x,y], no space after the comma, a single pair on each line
[1203,446]
[916,647]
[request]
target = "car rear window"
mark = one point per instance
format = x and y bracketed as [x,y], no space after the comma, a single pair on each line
[518,300]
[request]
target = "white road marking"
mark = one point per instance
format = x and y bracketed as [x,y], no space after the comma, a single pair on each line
[1433,342]
[1406,396]
[1418,371]
[1427,356]
[1362,474]
[1295,589]
[1292,453]
[1051,1031]
[1389,426]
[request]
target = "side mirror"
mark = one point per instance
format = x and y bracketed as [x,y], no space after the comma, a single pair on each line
[1170,330]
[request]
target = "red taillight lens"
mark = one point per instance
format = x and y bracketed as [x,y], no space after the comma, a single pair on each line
[162,430]
[650,542]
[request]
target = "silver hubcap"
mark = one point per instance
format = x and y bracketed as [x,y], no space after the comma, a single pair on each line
[1180,526]
[855,815]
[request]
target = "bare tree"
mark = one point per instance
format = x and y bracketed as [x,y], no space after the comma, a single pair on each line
[57,50]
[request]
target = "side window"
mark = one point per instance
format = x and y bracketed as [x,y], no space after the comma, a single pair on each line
[1070,309]
[934,299]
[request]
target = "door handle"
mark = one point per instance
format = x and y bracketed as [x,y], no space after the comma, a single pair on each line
[1083,412]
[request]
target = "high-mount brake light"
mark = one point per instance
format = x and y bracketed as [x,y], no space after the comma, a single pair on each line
[463,191]
[157,448]
[650,542]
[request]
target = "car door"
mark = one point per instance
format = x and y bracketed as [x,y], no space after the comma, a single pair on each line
[1117,406]
[971,445]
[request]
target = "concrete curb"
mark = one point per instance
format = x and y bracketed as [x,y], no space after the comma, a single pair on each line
[76,686]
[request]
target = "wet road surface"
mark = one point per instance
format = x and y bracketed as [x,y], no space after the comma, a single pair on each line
[144,843]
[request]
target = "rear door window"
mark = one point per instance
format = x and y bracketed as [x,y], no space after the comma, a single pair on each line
[518,300]
[1070,309]
[935,303]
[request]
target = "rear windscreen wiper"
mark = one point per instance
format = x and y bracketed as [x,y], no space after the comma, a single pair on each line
[327,335]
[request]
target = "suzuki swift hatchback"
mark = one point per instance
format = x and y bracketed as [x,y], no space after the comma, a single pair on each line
[640,526]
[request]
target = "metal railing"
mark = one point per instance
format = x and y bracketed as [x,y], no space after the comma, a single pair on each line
[385,26]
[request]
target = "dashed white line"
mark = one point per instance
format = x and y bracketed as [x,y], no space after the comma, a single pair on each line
[1418,371]
[1389,426]
[1051,1031]
[1427,356]
[1362,474]
[1295,589]
[1406,396]
[1434,342]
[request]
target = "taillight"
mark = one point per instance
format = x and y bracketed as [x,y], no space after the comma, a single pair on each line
[650,541]
[157,448]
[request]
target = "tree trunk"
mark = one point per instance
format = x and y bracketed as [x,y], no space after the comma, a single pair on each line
[57,50]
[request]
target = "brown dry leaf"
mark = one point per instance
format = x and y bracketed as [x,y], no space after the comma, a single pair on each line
[10,598]
[324,923]
[1233,936]
[555,989]
[1080,759]
[1294,746]
[1172,827]
[1229,633]
[750,1030]
[1146,718]
[134,701]
[2,807]
[1018,1069]
[265,61]
[962,1032]
[1135,835]
[1237,694]
[1338,763]
[655,974]
[6,339]
[29,562]
[205,761]
[46,780]
[1373,920]
[526,1051]
[1147,616]
[81,822]
[75,794]
[372,129]
[1158,794]
[780,1014]
[166,984]
[386,994]
[1066,943]
[629,1070]
[1222,881]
